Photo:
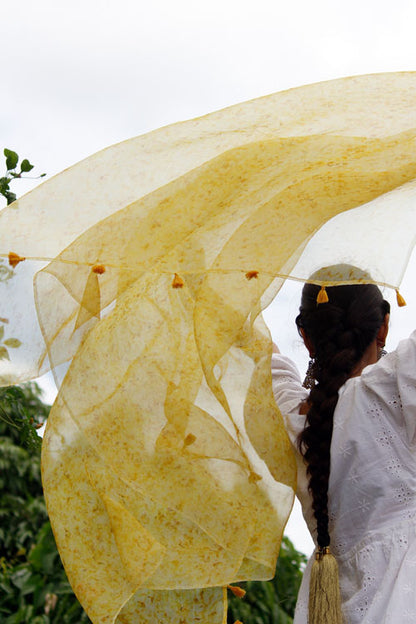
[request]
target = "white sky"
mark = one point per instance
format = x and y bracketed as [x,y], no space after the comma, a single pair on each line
[78,76]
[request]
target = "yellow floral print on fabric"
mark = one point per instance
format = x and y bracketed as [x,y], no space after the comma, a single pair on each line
[167,471]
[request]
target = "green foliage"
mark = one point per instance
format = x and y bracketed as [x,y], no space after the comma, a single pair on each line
[33,585]
[271,602]
[12,172]
[34,588]
[22,410]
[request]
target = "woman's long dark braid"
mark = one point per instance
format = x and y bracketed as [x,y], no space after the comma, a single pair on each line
[340,331]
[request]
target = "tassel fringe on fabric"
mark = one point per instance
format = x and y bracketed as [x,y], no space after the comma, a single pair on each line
[322,296]
[400,299]
[324,592]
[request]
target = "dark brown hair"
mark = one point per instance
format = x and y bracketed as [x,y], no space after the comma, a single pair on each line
[340,332]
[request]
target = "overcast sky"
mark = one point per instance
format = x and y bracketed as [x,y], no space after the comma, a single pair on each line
[81,75]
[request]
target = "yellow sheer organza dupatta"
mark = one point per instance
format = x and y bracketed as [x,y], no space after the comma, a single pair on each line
[167,470]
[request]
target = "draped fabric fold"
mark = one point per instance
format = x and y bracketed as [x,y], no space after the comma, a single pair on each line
[167,470]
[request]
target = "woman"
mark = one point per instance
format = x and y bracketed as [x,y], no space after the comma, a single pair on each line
[355,437]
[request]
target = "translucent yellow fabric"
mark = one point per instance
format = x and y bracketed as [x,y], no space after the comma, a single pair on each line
[166,467]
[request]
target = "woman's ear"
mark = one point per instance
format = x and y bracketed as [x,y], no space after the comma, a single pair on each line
[383,331]
[308,343]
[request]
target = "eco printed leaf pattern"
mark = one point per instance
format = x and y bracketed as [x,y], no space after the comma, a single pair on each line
[11,343]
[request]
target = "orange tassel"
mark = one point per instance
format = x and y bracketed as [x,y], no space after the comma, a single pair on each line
[190,439]
[251,274]
[400,301]
[14,259]
[322,296]
[237,591]
[98,268]
[177,282]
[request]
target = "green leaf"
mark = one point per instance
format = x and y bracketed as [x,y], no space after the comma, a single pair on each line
[25,166]
[25,580]
[14,343]
[44,555]
[11,159]
[4,184]
[1,332]
[11,197]
[4,354]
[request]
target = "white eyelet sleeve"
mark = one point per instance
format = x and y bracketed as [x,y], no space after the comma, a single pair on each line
[288,393]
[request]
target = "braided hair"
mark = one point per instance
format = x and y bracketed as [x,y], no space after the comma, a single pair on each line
[340,331]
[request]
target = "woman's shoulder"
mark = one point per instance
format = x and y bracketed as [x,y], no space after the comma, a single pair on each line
[397,363]
[389,388]
[282,364]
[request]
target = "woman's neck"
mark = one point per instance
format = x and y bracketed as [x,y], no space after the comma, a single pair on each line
[370,357]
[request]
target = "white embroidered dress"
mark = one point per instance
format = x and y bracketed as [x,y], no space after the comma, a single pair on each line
[372,485]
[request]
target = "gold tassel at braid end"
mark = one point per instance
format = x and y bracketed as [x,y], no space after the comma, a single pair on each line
[324,592]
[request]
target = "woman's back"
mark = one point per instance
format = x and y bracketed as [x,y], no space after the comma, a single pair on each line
[372,486]
[372,489]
